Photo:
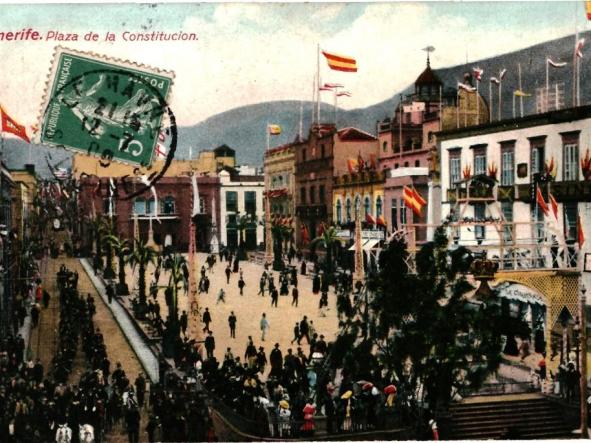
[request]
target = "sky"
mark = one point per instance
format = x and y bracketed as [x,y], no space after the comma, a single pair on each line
[252,53]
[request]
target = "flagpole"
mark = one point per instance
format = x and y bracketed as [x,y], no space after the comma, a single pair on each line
[458,108]
[318,82]
[466,110]
[313,97]
[334,91]
[301,119]
[490,103]
[575,69]
[547,84]
[268,138]
[500,97]
[521,89]
[513,104]
[578,81]
[477,102]
[556,96]
[440,107]
[400,129]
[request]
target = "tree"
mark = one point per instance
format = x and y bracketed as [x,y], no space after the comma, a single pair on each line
[141,256]
[421,328]
[121,249]
[241,224]
[107,230]
[178,269]
[329,241]
[279,232]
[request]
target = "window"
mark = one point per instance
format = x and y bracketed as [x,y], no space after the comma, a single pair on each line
[367,206]
[348,210]
[139,206]
[339,211]
[303,195]
[231,201]
[321,151]
[571,162]
[507,209]
[479,215]
[403,209]
[394,214]
[455,168]
[378,207]
[507,164]
[406,164]
[151,206]
[570,221]
[168,205]
[417,163]
[303,155]
[321,194]
[202,204]
[385,146]
[537,156]
[312,194]
[480,161]
[396,166]
[357,204]
[250,202]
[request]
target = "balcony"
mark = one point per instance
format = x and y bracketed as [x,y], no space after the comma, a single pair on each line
[563,191]
[360,178]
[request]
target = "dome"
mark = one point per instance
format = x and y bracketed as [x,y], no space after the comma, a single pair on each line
[428,78]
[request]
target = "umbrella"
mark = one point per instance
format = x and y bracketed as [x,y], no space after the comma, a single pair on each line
[284,404]
[347,395]
[390,389]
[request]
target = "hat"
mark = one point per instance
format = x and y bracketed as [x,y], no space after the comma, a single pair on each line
[276,345]
[284,404]
[390,389]
[347,395]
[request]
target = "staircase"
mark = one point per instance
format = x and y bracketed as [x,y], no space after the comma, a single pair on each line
[529,416]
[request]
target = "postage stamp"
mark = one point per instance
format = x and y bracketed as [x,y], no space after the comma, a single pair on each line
[108,108]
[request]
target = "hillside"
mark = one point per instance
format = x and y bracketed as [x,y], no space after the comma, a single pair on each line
[243,128]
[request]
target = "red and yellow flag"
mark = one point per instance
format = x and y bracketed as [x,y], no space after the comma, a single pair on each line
[413,200]
[380,221]
[274,129]
[588,8]
[12,127]
[541,201]
[352,165]
[340,62]
[554,205]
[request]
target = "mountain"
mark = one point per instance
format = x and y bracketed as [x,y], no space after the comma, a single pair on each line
[243,128]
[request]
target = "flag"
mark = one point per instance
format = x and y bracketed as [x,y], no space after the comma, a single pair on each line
[502,74]
[344,94]
[541,202]
[466,87]
[380,221]
[274,129]
[580,233]
[495,80]
[333,85]
[555,64]
[520,93]
[588,8]
[369,219]
[352,165]
[579,47]
[12,127]
[340,62]
[413,200]
[553,204]
[478,73]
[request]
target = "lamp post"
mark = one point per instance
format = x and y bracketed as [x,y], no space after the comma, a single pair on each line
[583,365]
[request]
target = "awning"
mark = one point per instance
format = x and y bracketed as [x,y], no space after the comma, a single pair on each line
[366,245]
[519,292]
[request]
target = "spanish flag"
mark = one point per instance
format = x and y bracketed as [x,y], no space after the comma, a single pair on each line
[380,221]
[274,129]
[554,205]
[12,127]
[413,200]
[541,202]
[340,62]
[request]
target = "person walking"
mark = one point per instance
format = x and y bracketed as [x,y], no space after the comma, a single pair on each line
[276,360]
[184,322]
[232,323]
[296,333]
[264,326]
[228,273]
[140,389]
[274,297]
[295,294]
[132,420]
[250,355]
[209,344]
[206,320]
[241,285]
[221,296]
[261,360]
[206,284]
[304,330]
[262,282]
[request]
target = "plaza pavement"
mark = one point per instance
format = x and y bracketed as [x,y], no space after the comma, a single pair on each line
[249,307]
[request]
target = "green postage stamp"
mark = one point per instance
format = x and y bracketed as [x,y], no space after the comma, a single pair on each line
[104,107]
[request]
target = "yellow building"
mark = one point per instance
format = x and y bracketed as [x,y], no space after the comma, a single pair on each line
[208,162]
[279,169]
[364,189]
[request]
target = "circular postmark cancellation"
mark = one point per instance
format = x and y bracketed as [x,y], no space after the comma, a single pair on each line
[111,109]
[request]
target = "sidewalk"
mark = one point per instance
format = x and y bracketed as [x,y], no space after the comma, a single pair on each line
[144,353]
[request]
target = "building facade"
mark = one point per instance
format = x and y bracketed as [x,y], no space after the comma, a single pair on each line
[242,210]
[279,167]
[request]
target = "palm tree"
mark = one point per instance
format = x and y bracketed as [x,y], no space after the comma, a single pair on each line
[279,233]
[141,256]
[329,240]
[107,230]
[176,264]
[120,247]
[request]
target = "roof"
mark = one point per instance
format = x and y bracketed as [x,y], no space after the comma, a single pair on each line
[428,77]
[354,134]
[224,151]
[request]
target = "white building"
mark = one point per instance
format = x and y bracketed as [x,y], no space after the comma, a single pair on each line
[241,195]
[489,177]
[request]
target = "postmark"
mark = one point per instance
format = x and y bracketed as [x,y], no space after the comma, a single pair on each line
[104,107]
